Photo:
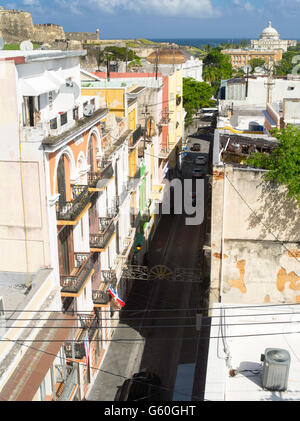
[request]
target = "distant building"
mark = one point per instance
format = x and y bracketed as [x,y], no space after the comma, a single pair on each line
[269,40]
[239,57]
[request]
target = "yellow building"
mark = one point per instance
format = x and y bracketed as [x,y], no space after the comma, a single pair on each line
[240,58]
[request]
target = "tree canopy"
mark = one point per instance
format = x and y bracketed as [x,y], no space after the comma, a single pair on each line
[217,66]
[283,162]
[195,95]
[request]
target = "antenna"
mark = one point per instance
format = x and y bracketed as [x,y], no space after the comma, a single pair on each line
[1,43]
[26,45]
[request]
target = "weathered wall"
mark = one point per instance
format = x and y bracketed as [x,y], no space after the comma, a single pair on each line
[16,25]
[261,239]
[48,33]
[82,36]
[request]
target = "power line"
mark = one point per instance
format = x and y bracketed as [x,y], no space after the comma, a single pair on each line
[96,368]
[252,306]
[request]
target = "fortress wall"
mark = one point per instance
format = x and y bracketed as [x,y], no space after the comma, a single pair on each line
[82,36]
[48,33]
[16,26]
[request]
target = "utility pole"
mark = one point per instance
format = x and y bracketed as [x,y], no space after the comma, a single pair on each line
[146,114]
[270,82]
[156,63]
[108,67]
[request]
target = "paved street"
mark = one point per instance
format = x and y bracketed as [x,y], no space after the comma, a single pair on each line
[167,327]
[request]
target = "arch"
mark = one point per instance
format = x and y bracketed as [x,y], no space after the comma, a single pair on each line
[93,148]
[64,159]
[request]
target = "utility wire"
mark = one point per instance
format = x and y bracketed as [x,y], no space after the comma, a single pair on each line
[252,306]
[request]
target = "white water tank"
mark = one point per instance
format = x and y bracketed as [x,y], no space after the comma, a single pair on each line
[275,369]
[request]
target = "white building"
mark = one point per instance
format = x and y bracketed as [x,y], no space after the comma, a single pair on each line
[239,336]
[270,40]
[254,91]
[193,67]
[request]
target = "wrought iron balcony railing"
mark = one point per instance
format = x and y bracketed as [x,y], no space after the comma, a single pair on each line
[136,136]
[106,230]
[145,215]
[98,178]
[91,326]
[70,210]
[68,377]
[102,296]
[134,180]
[84,265]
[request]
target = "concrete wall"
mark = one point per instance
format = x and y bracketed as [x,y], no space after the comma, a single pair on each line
[261,239]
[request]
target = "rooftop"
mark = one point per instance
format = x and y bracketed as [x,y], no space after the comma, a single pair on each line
[246,332]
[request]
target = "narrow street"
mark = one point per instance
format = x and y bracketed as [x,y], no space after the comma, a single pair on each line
[158,310]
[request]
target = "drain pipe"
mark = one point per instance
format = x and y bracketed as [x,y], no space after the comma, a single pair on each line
[223,219]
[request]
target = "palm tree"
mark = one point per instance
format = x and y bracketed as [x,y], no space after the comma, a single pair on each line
[209,74]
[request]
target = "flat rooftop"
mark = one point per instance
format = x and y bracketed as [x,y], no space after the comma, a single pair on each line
[246,332]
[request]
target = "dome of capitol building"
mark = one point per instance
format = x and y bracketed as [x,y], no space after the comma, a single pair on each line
[269,32]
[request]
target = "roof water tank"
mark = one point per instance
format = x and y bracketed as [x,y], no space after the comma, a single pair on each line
[275,369]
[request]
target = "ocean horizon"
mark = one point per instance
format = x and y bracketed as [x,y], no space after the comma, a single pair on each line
[197,42]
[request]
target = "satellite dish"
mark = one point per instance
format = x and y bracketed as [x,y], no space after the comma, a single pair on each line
[259,70]
[247,68]
[88,110]
[26,46]
[1,43]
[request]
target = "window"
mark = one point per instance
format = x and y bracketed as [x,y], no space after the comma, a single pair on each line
[63,119]
[43,390]
[50,99]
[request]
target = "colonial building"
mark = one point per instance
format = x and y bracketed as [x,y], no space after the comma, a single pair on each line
[239,57]
[269,39]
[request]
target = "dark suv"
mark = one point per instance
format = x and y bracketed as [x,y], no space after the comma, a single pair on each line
[142,386]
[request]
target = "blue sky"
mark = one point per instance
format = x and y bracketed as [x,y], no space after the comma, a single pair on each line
[167,18]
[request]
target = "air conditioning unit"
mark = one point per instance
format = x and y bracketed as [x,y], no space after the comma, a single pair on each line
[275,369]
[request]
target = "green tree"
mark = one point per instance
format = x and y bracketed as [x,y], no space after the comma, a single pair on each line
[283,162]
[288,63]
[217,66]
[256,62]
[195,95]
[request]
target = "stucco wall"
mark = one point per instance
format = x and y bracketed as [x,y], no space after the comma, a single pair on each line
[261,239]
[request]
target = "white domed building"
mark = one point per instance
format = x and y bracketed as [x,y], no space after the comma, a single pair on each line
[270,40]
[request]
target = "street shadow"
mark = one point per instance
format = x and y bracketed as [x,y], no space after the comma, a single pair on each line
[276,213]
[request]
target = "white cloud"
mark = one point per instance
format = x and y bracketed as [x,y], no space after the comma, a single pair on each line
[31,2]
[179,8]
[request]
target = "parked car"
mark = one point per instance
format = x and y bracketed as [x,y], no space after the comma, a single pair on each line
[200,160]
[198,172]
[196,147]
[142,386]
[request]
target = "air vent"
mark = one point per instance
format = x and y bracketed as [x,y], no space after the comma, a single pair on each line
[276,369]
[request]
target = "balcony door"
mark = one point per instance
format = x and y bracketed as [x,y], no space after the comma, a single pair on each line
[66,250]
[92,154]
[61,180]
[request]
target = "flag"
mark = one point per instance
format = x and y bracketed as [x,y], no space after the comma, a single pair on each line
[87,347]
[116,296]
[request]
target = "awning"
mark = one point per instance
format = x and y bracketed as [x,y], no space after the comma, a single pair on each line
[37,360]
[38,85]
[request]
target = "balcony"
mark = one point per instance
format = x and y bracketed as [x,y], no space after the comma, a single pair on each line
[90,326]
[101,296]
[98,180]
[136,137]
[127,245]
[146,215]
[70,212]
[164,152]
[72,284]
[101,240]
[134,180]
[66,381]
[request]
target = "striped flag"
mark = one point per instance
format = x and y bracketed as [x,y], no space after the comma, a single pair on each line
[115,296]
[87,347]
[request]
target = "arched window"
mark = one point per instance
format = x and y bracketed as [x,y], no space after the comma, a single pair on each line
[61,179]
[91,158]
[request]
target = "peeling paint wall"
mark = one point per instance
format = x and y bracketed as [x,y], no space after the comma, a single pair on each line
[261,262]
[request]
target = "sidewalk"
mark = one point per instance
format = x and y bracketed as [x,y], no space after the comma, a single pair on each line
[122,359]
